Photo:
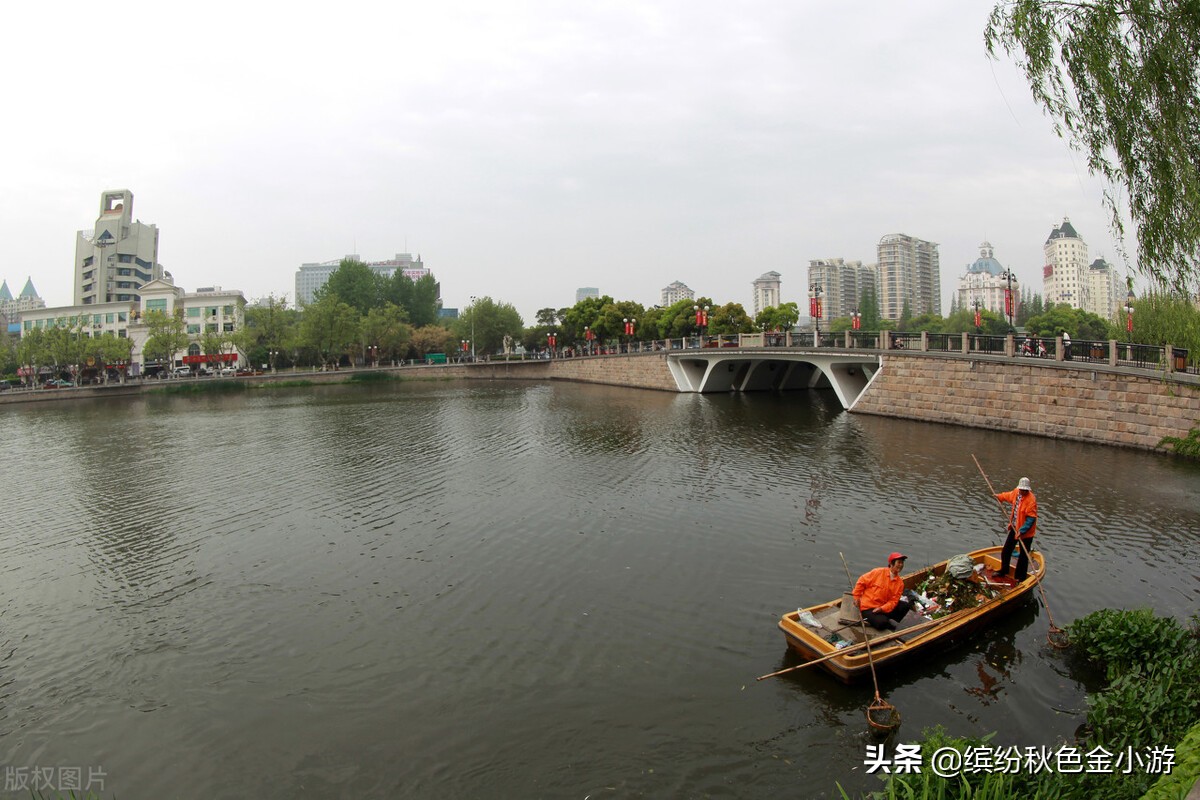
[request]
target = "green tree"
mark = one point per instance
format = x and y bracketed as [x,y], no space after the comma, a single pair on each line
[110,349]
[868,307]
[729,319]
[906,317]
[1163,318]
[214,344]
[1080,324]
[1121,81]
[355,284]
[546,317]
[270,329]
[330,329]
[490,322]
[782,317]
[31,353]
[166,336]
[387,330]
[431,339]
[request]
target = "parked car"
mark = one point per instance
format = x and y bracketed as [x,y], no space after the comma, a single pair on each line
[57,383]
[182,372]
[230,371]
[5,386]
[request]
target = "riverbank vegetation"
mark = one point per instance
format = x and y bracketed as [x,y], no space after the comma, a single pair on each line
[1148,672]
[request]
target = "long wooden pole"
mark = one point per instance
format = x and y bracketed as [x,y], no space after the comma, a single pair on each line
[1054,629]
[856,647]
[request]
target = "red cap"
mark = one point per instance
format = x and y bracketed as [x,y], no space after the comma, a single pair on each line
[894,556]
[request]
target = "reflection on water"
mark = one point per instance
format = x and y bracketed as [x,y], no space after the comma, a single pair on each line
[495,589]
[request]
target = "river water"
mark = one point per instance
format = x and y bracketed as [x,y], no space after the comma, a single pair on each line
[458,590]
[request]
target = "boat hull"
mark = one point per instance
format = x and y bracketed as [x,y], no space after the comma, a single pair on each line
[893,649]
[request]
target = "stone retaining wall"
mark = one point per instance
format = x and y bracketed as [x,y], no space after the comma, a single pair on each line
[1062,401]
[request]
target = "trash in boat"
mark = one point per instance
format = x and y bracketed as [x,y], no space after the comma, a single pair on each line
[808,619]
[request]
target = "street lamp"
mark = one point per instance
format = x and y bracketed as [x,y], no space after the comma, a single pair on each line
[463,347]
[1008,300]
[629,326]
[855,319]
[472,328]
[373,352]
[1129,298]
[551,342]
[271,358]
[978,317]
[814,310]
[701,320]
[587,337]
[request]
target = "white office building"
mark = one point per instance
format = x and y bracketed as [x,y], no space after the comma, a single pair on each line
[117,256]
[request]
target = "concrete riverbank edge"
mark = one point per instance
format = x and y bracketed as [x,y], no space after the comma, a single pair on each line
[1062,400]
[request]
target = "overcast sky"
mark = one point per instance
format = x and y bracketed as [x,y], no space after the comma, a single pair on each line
[528,148]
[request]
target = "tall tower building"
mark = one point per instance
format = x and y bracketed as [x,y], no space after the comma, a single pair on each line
[1064,278]
[842,284]
[118,256]
[766,291]
[908,271]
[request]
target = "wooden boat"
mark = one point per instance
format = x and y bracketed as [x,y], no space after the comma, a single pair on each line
[915,633]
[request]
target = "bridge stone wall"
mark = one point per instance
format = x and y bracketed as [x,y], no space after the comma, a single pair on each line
[1062,401]
[637,371]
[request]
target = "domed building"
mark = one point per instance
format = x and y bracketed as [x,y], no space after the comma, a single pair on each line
[986,280]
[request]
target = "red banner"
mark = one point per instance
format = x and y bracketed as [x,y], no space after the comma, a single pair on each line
[978,319]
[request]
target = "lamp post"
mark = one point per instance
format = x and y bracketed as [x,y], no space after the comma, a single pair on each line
[551,342]
[587,337]
[978,317]
[629,326]
[472,328]
[1129,298]
[271,358]
[855,319]
[463,346]
[373,352]
[1008,300]
[814,310]
[701,320]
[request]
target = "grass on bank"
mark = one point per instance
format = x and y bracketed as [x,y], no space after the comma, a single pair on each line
[1150,698]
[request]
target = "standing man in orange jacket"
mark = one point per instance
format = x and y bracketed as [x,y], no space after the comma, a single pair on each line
[879,594]
[1022,526]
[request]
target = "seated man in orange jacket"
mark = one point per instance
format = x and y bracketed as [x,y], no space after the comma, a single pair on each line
[880,594]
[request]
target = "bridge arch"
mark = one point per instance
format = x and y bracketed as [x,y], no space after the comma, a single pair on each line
[847,374]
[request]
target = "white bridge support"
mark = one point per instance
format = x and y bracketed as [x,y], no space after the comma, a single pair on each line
[757,370]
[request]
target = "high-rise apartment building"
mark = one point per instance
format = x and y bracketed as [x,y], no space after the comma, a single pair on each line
[766,291]
[311,277]
[11,306]
[986,281]
[842,284]
[908,273]
[1106,290]
[1064,277]
[118,256]
[584,292]
[675,292]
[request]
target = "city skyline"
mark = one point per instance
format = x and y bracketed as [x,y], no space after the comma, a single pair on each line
[533,150]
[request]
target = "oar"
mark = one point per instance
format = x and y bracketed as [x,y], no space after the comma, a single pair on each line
[1056,636]
[854,648]
[880,714]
